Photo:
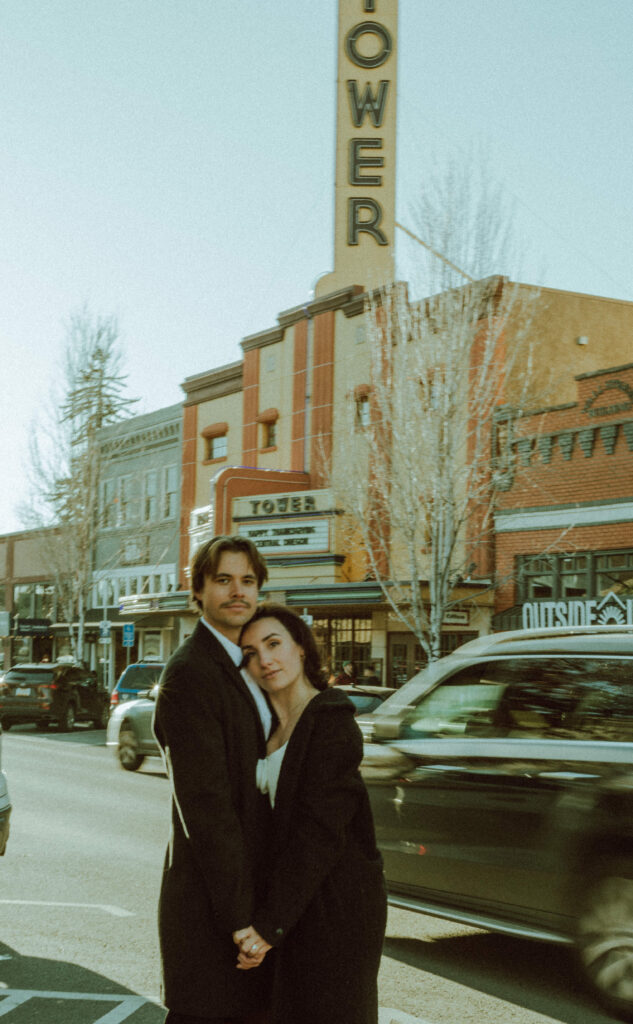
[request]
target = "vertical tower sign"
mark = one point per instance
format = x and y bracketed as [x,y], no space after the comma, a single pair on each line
[365,194]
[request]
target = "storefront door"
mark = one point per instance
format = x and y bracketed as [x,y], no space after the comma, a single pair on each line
[405,657]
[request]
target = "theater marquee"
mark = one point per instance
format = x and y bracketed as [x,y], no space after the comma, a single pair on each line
[278,524]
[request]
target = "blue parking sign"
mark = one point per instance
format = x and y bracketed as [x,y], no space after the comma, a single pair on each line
[128,634]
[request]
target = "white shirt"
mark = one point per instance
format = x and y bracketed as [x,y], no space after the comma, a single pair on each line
[235,654]
[268,769]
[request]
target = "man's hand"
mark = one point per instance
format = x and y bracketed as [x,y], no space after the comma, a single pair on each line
[252,947]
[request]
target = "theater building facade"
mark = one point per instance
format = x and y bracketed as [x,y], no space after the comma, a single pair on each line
[262,435]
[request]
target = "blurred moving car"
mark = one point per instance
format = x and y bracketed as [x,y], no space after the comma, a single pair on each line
[130,732]
[5,806]
[139,677]
[59,693]
[501,781]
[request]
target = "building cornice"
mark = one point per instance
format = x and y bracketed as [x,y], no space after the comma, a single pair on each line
[351,300]
[204,387]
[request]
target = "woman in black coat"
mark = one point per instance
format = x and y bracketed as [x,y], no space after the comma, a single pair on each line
[325,904]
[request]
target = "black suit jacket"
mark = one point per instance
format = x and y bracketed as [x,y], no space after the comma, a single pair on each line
[210,733]
[324,905]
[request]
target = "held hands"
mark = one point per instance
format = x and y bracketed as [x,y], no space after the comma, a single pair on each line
[252,948]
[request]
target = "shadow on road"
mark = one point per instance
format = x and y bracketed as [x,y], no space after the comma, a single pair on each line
[81,735]
[537,976]
[55,992]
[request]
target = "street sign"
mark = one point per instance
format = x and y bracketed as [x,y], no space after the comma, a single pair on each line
[104,632]
[5,623]
[128,634]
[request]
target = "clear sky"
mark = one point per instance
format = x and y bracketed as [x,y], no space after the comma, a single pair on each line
[171,162]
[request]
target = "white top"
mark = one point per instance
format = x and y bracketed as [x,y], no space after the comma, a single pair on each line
[235,654]
[268,770]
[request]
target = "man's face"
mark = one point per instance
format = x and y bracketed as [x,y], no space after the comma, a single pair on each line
[229,597]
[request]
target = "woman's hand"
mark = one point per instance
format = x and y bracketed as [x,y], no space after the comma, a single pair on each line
[252,947]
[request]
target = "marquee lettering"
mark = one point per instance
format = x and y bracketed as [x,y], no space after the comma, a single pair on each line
[365,28]
[364,214]
[369,103]
[357,161]
[356,225]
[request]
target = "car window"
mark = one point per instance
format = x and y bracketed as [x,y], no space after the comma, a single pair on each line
[29,676]
[465,702]
[364,703]
[140,677]
[576,699]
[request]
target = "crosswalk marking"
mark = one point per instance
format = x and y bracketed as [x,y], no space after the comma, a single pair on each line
[10,999]
[107,908]
[388,1016]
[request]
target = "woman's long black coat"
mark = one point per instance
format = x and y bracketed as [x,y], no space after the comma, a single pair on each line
[209,730]
[325,903]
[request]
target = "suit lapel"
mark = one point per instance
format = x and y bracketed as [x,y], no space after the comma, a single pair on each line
[211,648]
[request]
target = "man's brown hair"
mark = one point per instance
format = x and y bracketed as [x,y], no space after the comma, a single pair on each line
[207,558]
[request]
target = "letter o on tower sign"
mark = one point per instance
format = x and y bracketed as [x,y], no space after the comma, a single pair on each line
[368,28]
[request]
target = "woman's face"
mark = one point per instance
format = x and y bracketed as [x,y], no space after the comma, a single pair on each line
[272,656]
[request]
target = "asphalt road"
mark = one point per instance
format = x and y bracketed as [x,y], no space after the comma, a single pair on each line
[78,891]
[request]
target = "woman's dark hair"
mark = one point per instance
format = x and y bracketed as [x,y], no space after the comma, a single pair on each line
[207,558]
[300,633]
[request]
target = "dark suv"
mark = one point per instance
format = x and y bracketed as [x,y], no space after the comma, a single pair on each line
[59,693]
[501,780]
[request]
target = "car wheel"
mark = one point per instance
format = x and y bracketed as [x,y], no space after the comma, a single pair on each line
[42,725]
[128,749]
[605,939]
[66,721]
[6,726]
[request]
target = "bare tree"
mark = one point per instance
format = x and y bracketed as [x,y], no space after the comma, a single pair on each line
[66,462]
[430,431]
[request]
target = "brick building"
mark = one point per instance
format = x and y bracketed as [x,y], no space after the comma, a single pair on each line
[564,523]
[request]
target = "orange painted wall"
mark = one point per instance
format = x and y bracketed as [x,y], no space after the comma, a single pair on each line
[322,397]
[188,482]
[299,380]
[251,407]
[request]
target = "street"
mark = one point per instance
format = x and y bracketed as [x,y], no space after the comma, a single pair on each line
[78,892]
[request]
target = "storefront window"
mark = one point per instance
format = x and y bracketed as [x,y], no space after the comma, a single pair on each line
[23,600]
[538,579]
[614,573]
[340,640]
[151,645]
[573,576]
[44,601]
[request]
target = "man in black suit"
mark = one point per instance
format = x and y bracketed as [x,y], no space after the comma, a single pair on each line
[211,723]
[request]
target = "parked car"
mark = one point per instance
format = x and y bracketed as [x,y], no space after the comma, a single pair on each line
[60,693]
[136,678]
[5,806]
[366,698]
[130,732]
[501,781]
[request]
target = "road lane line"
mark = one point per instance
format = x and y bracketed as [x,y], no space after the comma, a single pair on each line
[388,1016]
[126,1004]
[105,907]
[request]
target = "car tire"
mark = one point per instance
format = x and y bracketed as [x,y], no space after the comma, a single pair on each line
[66,722]
[42,725]
[128,749]
[604,938]
[6,726]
